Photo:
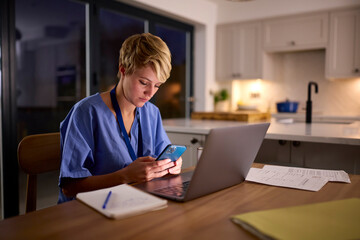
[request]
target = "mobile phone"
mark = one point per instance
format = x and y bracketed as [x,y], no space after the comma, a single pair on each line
[172,152]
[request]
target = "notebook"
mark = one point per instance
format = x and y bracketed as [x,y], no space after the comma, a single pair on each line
[124,201]
[338,219]
[225,161]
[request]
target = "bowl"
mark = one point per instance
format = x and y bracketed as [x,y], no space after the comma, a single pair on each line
[288,106]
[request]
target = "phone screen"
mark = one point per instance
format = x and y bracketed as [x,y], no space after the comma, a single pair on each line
[172,152]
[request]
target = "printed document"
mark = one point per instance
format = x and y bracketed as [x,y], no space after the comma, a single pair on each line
[331,175]
[299,178]
[286,179]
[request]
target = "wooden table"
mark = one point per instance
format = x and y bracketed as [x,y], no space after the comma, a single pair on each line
[203,218]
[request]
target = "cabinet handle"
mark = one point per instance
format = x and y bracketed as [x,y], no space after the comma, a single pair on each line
[296,143]
[194,140]
[292,43]
[234,75]
[356,70]
[282,142]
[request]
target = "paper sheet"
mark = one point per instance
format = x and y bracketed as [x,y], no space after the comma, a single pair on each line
[331,175]
[286,179]
[293,177]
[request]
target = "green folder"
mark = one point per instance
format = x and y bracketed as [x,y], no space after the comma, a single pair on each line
[328,220]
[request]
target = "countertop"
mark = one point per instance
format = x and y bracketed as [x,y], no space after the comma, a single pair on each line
[284,129]
[318,117]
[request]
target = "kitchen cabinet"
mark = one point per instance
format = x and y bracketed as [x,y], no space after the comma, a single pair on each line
[343,52]
[238,52]
[310,155]
[295,33]
[192,142]
[284,152]
[329,156]
[275,152]
[318,145]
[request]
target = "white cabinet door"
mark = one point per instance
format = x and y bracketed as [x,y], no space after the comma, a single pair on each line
[239,53]
[304,32]
[192,142]
[224,53]
[343,53]
[248,62]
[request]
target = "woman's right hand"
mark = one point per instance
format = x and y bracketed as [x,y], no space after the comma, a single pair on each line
[145,169]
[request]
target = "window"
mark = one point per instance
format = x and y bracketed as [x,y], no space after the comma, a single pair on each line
[122,21]
[67,49]
[114,29]
[171,97]
[50,74]
[50,55]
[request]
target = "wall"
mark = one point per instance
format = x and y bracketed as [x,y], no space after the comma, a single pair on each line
[336,98]
[233,11]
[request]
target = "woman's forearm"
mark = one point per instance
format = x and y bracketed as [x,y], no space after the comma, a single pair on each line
[142,169]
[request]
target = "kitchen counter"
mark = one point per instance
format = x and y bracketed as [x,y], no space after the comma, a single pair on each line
[317,117]
[285,129]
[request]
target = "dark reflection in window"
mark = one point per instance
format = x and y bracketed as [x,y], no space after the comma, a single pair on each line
[50,55]
[172,95]
[114,29]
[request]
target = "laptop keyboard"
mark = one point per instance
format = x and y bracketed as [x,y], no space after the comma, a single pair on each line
[178,190]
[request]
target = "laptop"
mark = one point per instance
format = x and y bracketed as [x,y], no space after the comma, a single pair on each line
[225,161]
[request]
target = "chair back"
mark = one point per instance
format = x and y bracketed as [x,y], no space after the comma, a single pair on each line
[37,154]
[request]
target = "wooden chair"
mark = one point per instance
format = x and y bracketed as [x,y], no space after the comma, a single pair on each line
[37,154]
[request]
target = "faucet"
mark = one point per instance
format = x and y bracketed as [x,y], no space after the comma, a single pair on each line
[309,102]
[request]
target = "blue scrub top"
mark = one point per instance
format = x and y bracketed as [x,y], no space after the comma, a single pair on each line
[92,142]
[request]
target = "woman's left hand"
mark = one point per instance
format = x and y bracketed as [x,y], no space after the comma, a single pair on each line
[177,168]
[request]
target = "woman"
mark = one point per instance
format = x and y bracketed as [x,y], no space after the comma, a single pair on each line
[112,138]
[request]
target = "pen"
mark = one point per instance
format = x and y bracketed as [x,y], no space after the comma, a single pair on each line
[106,200]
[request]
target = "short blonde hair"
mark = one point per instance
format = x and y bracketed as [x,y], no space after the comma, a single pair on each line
[141,49]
